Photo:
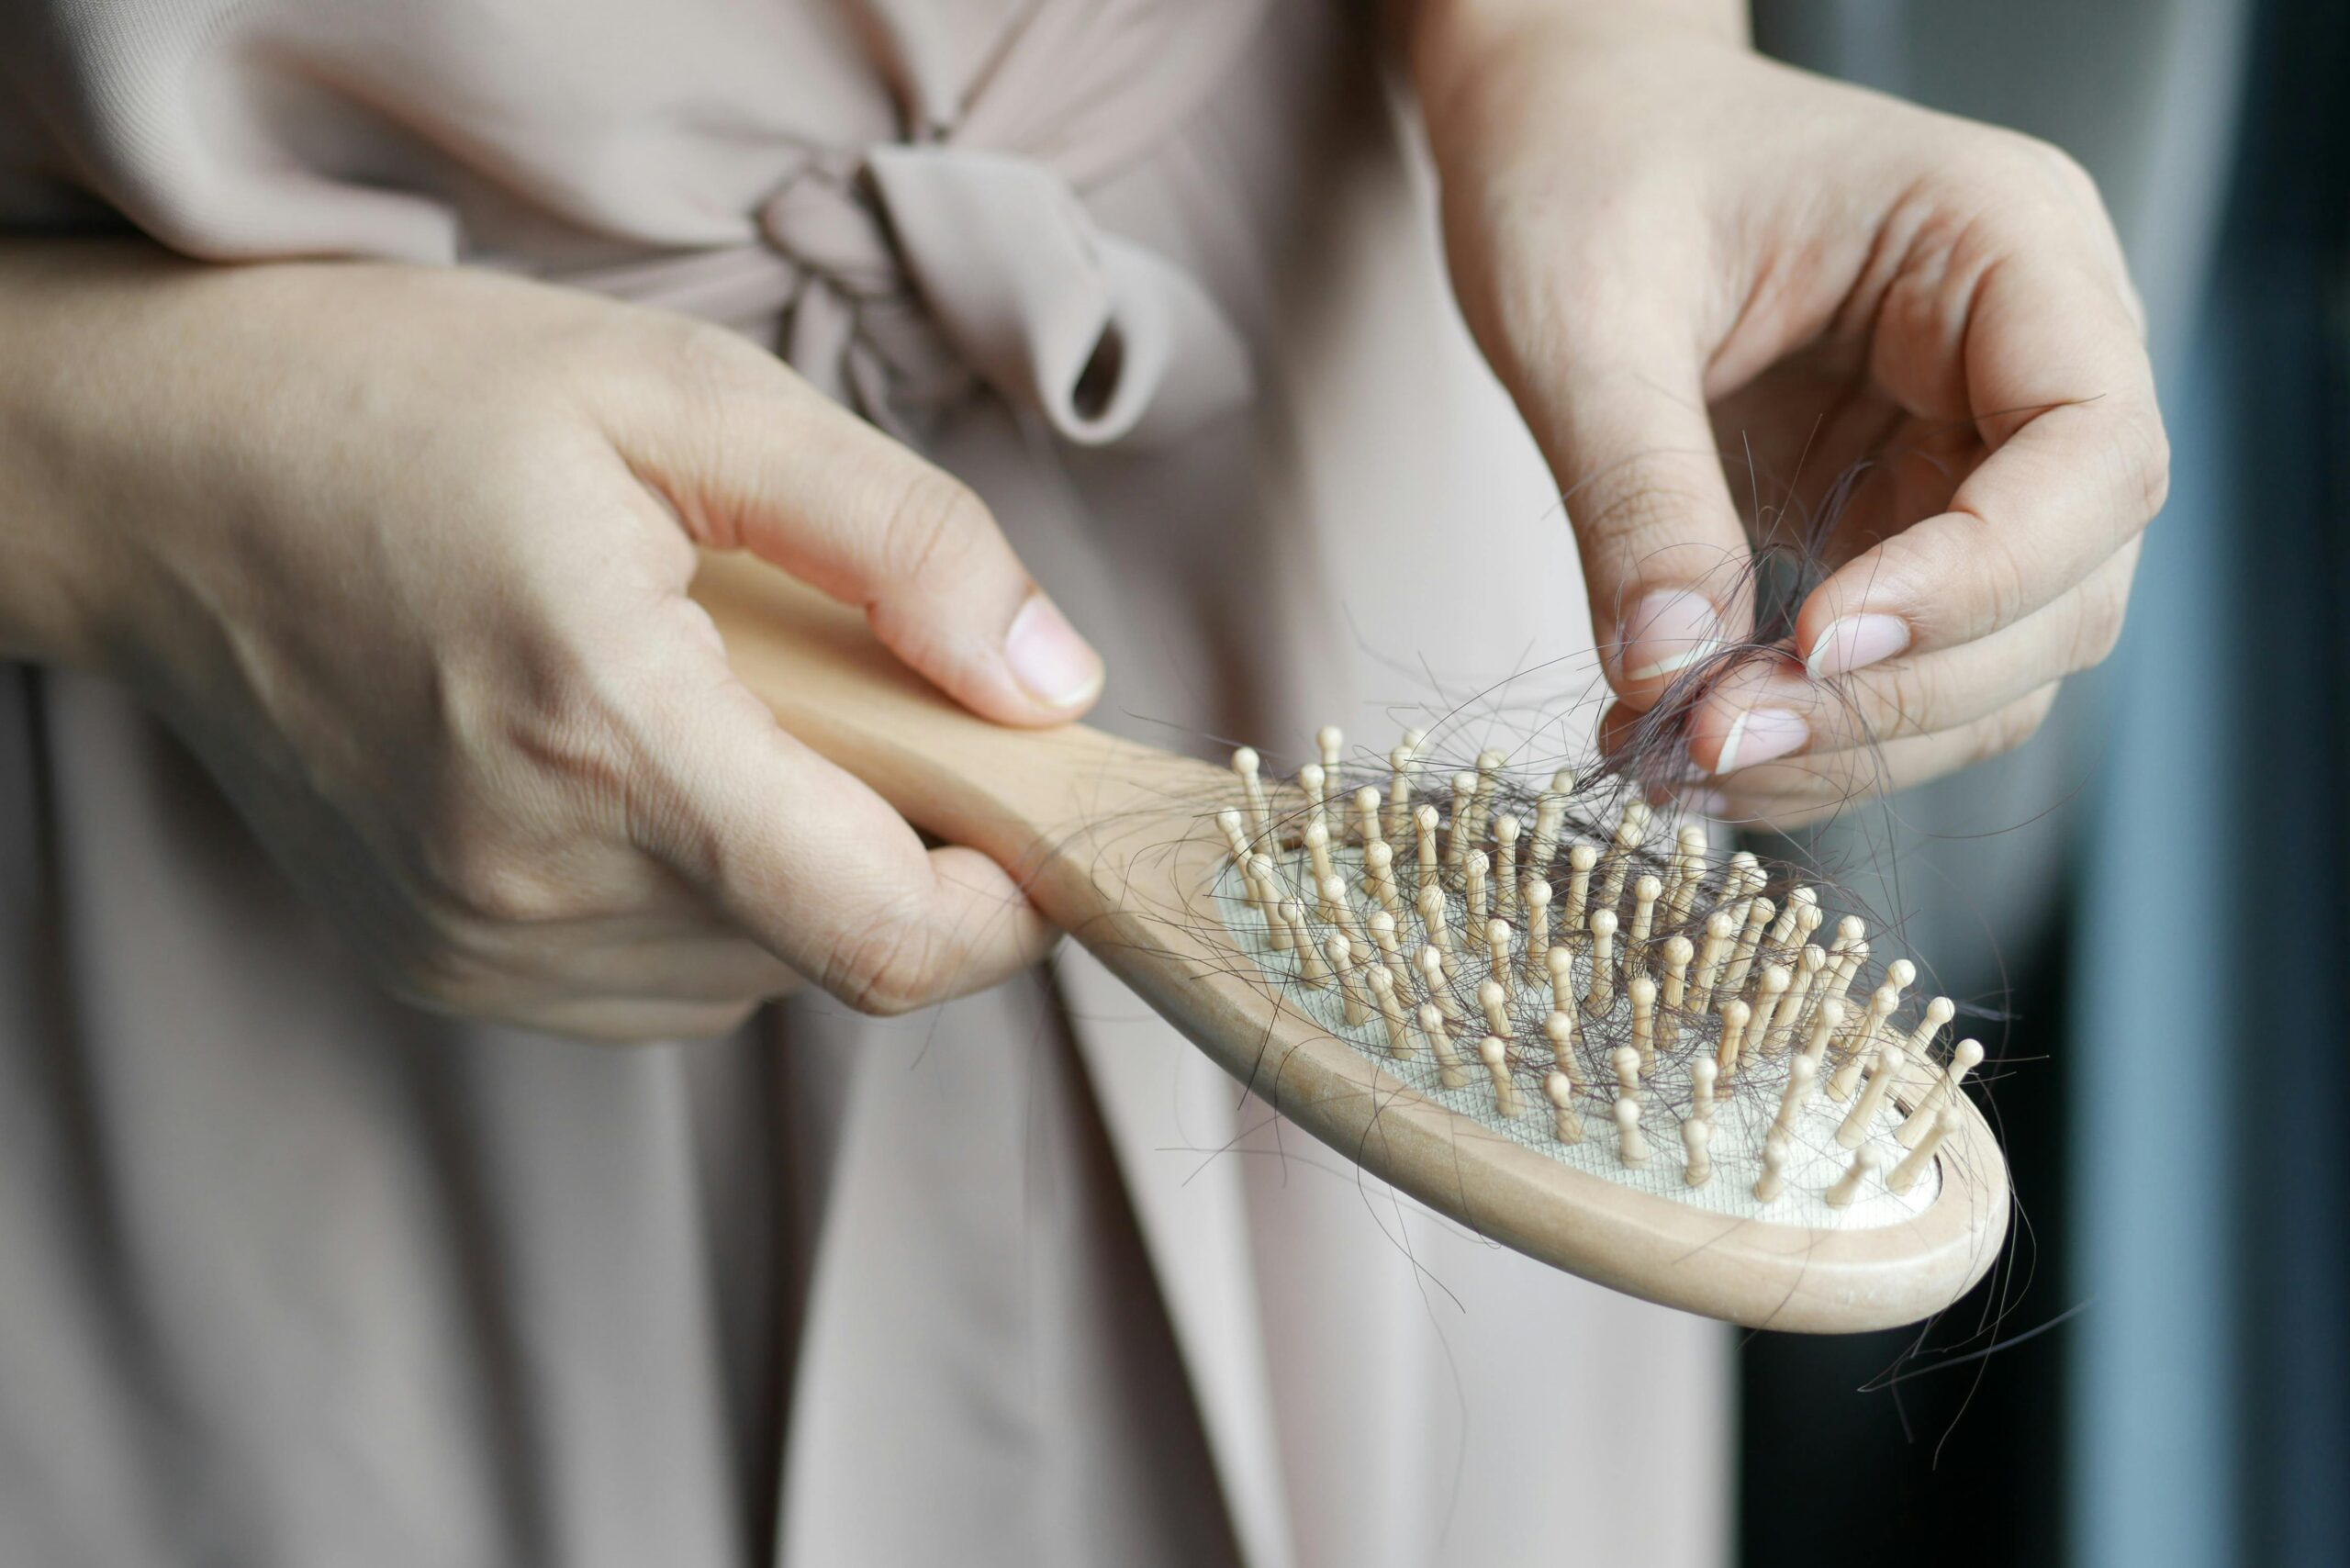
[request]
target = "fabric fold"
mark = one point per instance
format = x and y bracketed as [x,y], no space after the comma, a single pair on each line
[1109,342]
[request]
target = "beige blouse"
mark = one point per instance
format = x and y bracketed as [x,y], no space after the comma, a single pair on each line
[292,1274]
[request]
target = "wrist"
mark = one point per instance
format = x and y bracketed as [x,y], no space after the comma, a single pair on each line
[1450,44]
[47,565]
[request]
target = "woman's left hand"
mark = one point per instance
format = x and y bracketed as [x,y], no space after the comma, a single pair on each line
[1673,249]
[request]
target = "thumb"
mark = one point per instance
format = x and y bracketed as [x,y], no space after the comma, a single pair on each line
[770,465]
[1664,555]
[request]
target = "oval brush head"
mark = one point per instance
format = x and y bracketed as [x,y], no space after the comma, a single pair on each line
[1785,1144]
[1580,1033]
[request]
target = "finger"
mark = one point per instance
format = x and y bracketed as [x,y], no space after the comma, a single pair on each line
[812,863]
[1770,707]
[1622,419]
[1800,790]
[2056,379]
[759,461]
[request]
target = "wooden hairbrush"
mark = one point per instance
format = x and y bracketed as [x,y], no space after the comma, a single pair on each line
[1627,1062]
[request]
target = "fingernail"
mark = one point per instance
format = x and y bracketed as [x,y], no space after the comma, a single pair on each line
[1856,642]
[1667,631]
[1759,736]
[1051,662]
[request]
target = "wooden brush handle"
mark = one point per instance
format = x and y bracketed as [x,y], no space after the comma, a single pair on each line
[1028,798]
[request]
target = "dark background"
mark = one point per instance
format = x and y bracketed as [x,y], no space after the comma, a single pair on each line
[2172,1084]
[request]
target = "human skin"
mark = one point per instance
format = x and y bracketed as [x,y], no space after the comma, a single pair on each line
[1671,249]
[403,552]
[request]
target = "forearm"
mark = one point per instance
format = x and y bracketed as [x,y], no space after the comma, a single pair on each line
[71,312]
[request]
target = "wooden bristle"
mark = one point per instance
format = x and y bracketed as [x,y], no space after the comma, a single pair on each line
[1506,866]
[1424,821]
[1378,879]
[1496,1058]
[1311,779]
[1602,995]
[1342,956]
[1367,815]
[1735,1015]
[1581,858]
[1404,769]
[1749,938]
[1922,1154]
[1311,968]
[1721,929]
[1643,993]
[1770,989]
[1964,1060]
[1450,1071]
[1456,842]
[1432,984]
[1566,1122]
[1630,1146]
[1773,1179]
[1848,1190]
[1676,974]
[1537,932]
[1939,1012]
[1317,851]
[1432,917]
[1390,1013]
[1645,893]
[1481,801]
[1882,1078]
[1558,1029]
[1333,743]
[1473,897]
[1627,1063]
[1694,1136]
[1494,1001]
[1562,965]
[1246,764]
[1801,1078]
[1235,834]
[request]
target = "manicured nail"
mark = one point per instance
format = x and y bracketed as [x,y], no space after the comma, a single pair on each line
[1759,736]
[1668,632]
[1856,642]
[1053,664]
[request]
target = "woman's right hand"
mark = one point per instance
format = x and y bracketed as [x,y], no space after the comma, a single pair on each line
[403,553]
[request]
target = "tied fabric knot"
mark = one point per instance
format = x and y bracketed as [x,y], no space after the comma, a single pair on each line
[922,267]
[852,325]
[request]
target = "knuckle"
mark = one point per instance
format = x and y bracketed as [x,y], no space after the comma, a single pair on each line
[889,966]
[1909,696]
[929,525]
[2006,580]
[2098,627]
[488,882]
[438,977]
[1640,514]
[2006,159]
[2153,469]
[2014,724]
[707,361]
